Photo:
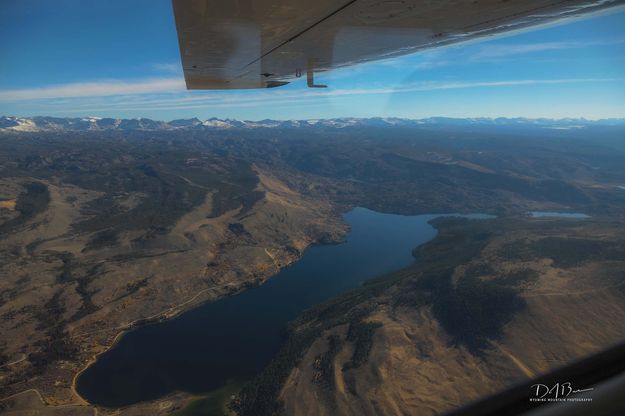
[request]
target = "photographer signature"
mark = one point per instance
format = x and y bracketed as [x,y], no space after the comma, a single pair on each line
[558,390]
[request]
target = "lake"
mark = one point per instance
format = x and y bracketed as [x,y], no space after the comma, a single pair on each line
[232,339]
[553,214]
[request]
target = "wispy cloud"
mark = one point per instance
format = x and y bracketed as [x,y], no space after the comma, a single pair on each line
[489,52]
[95,89]
[167,67]
[142,90]
[169,96]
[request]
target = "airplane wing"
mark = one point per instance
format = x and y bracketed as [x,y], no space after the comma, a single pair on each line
[232,44]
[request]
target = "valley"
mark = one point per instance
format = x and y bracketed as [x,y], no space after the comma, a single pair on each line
[103,230]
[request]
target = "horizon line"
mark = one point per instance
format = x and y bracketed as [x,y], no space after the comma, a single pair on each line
[580,118]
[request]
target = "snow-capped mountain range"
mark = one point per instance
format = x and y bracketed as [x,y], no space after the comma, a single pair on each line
[42,123]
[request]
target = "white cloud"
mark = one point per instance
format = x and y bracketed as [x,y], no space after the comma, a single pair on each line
[170,67]
[487,51]
[95,89]
[232,99]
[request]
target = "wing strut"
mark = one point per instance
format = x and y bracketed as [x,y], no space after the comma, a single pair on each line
[310,77]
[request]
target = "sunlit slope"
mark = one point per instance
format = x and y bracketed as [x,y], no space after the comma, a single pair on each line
[489,303]
[104,230]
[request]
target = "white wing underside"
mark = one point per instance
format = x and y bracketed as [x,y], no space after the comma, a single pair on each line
[232,44]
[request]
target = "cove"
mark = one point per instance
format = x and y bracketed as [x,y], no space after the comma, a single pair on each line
[232,339]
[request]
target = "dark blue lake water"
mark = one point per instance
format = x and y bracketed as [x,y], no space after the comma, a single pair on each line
[235,337]
[553,214]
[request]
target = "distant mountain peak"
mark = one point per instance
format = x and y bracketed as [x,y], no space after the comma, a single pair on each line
[43,123]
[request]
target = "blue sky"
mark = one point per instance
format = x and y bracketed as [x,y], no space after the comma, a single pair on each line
[120,59]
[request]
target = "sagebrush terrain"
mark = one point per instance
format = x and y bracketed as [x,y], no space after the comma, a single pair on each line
[104,230]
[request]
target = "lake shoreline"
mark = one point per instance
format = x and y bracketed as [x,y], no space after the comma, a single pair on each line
[412,242]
